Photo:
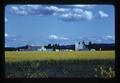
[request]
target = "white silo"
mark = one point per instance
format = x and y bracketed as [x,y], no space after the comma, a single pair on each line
[76,46]
[79,46]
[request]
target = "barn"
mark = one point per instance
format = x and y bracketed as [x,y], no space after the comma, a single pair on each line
[78,46]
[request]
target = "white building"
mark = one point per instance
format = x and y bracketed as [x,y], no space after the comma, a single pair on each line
[80,46]
[41,49]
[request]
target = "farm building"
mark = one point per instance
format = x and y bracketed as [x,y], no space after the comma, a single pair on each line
[78,46]
[32,48]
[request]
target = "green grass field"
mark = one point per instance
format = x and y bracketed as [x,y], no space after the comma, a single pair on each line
[60,64]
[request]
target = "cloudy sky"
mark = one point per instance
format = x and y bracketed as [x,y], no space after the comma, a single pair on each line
[62,24]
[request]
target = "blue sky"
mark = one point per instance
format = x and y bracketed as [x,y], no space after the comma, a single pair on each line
[62,24]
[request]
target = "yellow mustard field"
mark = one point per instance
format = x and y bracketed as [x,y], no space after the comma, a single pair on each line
[79,55]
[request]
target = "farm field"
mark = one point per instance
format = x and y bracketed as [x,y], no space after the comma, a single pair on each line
[36,64]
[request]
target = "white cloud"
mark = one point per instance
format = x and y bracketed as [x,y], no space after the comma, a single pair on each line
[15,8]
[53,37]
[33,6]
[84,6]
[77,10]
[57,37]
[99,40]
[6,35]
[36,10]
[88,15]
[91,38]
[63,38]
[56,9]
[64,12]
[71,17]
[103,14]
[6,19]
[108,37]
[19,10]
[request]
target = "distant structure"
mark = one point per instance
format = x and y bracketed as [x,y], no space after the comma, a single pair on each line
[41,49]
[80,46]
[32,48]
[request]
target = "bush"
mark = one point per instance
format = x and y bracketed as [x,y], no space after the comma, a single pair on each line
[104,72]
